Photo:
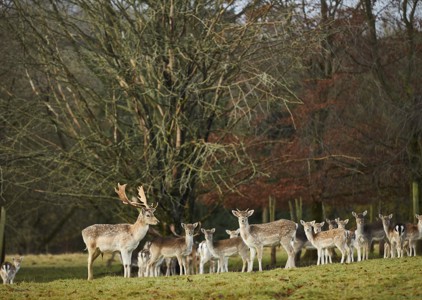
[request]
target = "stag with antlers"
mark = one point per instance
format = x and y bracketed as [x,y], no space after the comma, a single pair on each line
[123,238]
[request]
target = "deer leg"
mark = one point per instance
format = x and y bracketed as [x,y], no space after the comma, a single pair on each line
[291,253]
[168,265]
[92,255]
[179,260]
[252,256]
[126,260]
[259,252]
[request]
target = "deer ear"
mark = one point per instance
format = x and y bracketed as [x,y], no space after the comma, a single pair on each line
[203,230]
[235,213]
[390,216]
[228,232]
[213,230]
[183,225]
[346,221]
[195,225]
[238,230]
[364,213]
[250,213]
[353,214]
[302,222]
[322,224]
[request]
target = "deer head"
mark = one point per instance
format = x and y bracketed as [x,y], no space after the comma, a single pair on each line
[147,211]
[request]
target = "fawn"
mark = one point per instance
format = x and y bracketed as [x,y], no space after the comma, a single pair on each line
[8,270]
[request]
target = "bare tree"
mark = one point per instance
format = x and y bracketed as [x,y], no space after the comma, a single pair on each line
[157,93]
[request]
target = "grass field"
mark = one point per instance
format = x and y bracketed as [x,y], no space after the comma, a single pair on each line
[64,277]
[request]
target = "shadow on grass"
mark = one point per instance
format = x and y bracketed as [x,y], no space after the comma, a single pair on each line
[47,274]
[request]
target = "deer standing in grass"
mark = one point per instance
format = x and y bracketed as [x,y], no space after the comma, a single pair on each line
[395,236]
[325,239]
[413,233]
[256,236]
[365,234]
[222,249]
[178,247]
[327,252]
[351,238]
[123,238]
[8,270]
[204,257]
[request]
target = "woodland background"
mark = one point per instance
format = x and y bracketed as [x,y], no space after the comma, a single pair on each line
[211,106]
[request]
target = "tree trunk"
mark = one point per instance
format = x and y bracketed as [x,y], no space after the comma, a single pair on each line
[2,234]
[271,205]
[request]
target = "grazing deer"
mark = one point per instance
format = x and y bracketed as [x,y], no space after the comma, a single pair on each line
[395,235]
[334,237]
[256,236]
[8,270]
[365,234]
[178,247]
[413,233]
[222,249]
[101,238]
[351,238]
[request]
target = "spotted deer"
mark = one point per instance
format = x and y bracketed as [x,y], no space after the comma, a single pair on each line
[256,236]
[167,247]
[365,234]
[327,252]
[222,249]
[325,239]
[351,238]
[395,235]
[205,256]
[413,233]
[123,238]
[8,270]
[143,258]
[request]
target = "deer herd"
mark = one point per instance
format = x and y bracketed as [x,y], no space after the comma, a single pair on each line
[181,250]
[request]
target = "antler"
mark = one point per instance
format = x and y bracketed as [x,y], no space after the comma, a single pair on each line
[121,191]
[143,198]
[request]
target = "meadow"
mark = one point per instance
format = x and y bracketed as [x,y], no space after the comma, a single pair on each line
[64,277]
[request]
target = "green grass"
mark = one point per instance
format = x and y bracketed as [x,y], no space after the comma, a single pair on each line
[63,277]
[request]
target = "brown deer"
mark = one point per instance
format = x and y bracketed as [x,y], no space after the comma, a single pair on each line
[178,247]
[413,233]
[256,236]
[325,239]
[222,249]
[394,235]
[365,234]
[124,238]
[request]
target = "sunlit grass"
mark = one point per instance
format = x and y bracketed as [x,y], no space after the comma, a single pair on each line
[64,277]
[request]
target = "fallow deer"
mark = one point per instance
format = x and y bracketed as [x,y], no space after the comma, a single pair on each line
[204,257]
[222,249]
[256,236]
[8,270]
[178,247]
[365,234]
[325,239]
[394,234]
[413,233]
[327,252]
[351,238]
[124,238]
